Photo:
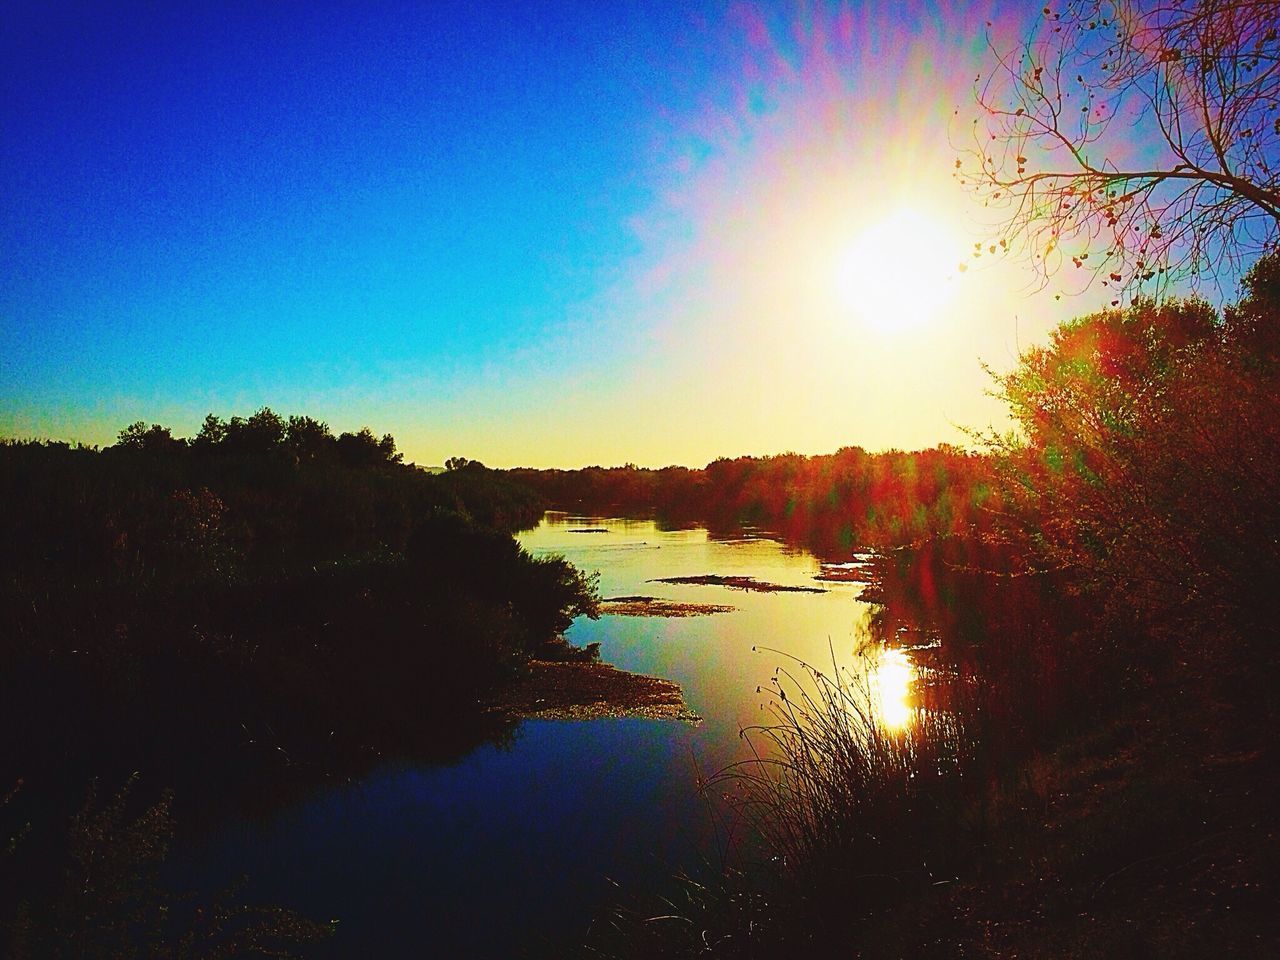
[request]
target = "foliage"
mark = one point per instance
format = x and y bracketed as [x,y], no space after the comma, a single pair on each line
[830,785]
[1147,462]
[835,503]
[1144,134]
[257,587]
[244,497]
[842,821]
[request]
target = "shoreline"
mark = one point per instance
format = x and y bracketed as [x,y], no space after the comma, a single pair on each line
[559,690]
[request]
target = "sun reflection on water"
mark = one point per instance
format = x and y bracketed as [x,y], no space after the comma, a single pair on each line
[891,680]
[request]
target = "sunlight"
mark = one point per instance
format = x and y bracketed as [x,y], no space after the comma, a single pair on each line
[900,271]
[891,688]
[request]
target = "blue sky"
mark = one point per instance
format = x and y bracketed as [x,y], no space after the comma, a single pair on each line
[504,231]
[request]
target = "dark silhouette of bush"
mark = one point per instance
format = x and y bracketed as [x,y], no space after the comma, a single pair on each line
[254,586]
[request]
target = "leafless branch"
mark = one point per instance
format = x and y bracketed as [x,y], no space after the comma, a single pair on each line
[1137,141]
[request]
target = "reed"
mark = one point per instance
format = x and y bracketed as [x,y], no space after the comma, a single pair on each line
[833,818]
[844,807]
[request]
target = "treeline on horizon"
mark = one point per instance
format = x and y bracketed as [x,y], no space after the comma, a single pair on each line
[1141,473]
[834,503]
[1136,497]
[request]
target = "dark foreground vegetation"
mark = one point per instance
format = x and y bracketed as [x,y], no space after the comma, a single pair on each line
[263,603]
[1091,771]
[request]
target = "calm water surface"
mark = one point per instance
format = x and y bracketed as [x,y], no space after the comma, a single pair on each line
[519,844]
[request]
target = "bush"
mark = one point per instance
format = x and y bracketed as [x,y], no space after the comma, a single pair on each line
[1147,462]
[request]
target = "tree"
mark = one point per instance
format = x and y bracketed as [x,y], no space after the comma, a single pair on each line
[1138,141]
[212,432]
[308,438]
[1147,465]
[259,435]
[155,439]
[363,449]
[453,464]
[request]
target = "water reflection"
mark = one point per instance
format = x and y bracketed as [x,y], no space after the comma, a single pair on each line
[890,680]
[720,661]
[529,831]
[965,608]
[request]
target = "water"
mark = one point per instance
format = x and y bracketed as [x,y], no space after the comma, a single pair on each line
[711,657]
[518,845]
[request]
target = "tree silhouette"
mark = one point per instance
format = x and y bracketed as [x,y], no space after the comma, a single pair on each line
[1138,142]
[155,439]
[260,434]
[363,449]
[212,432]
[307,437]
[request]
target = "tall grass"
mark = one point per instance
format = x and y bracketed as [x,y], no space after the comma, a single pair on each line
[850,812]
[835,815]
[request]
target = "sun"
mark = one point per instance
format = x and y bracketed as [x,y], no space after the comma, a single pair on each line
[900,271]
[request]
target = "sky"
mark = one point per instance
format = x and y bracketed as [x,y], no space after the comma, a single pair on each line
[545,234]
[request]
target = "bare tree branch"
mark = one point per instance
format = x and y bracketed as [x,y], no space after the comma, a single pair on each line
[1138,140]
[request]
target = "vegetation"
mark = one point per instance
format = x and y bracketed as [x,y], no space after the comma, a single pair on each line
[110,902]
[1144,134]
[833,503]
[1090,762]
[266,600]
[1145,465]
[312,570]
[1090,769]
[1090,599]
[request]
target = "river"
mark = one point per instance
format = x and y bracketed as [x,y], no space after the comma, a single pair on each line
[519,844]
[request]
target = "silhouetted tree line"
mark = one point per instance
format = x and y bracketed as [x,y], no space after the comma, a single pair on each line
[834,503]
[169,604]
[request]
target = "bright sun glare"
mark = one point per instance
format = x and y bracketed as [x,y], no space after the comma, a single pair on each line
[900,271]
[891,681]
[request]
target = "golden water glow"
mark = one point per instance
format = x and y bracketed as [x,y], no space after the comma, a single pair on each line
[891,687]
[900,271]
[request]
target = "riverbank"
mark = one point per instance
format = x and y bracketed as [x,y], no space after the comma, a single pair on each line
[238,619]
[1147,832]
[1150,833]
